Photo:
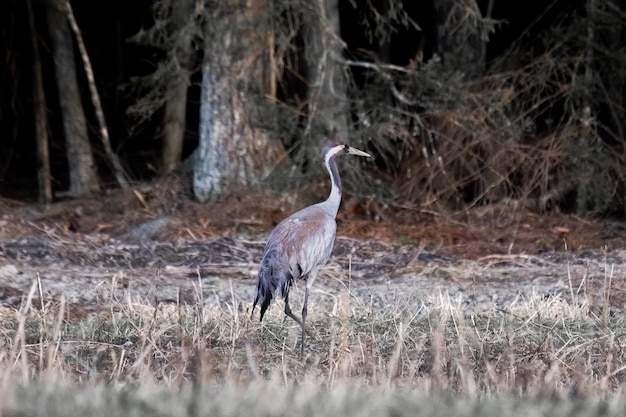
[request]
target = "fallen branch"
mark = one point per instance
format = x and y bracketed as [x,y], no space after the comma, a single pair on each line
[118,170]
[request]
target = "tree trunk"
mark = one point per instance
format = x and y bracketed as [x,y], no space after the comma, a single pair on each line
[459,38]
[176,93]
[587,172]
[610,37]
[328,104]
[83,175]
[232,153]
[41,125]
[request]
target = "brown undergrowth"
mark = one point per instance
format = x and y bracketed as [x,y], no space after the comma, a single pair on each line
[162,212]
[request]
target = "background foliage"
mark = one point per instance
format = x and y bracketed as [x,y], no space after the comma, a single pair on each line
[535,115]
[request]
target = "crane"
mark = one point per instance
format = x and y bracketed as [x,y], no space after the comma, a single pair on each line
[302,243]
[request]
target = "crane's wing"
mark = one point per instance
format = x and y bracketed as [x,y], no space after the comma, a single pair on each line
[306,240]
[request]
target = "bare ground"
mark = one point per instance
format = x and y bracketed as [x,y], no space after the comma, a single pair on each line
[94,252]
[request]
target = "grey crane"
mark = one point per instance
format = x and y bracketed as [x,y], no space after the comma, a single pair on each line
[302,243]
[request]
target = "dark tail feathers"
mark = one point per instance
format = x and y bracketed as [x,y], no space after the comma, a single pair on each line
[263,294]
[267,281]
[272,275]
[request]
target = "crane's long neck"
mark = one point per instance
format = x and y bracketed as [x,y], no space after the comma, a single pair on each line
[334,199]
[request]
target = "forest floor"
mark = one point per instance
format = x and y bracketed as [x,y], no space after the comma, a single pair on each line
[490,257]
[521,302]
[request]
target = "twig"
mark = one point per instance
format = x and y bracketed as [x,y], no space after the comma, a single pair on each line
[378,67]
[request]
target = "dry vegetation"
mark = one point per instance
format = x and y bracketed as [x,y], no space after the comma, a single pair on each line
[530,129]
[435,357]
[94,325]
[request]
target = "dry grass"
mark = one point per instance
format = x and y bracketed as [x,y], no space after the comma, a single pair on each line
[409,357]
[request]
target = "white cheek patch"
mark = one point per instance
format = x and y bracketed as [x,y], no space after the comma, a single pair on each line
[332,152]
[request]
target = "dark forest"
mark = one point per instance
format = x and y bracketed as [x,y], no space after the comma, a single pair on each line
[462,102]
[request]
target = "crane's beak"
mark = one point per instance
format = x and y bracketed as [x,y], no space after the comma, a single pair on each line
[354,151]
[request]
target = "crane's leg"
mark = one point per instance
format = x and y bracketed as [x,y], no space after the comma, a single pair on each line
[304,312]
[289,313]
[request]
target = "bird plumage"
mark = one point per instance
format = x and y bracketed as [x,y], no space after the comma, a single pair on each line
[302,243]
[295,249]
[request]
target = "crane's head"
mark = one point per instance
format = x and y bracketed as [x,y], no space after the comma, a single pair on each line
[330,152]
[336,148]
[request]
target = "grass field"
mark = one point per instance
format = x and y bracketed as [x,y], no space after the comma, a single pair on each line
[539,355]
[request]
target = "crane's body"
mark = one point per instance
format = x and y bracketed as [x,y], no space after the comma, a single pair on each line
[302,243]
